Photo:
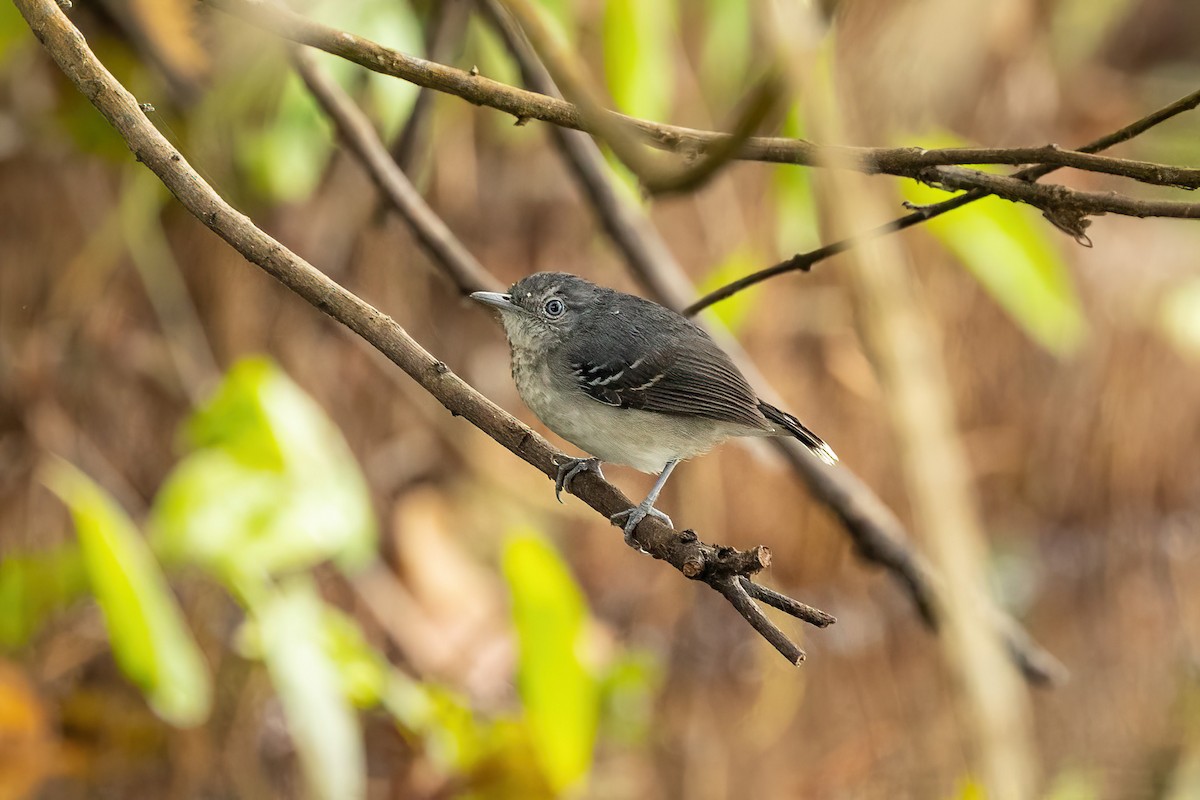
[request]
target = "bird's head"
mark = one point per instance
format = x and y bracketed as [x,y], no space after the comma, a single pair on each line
[542,309]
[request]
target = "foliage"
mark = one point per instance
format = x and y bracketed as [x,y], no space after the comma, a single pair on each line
[559,689]
[1007,248]
[145,626]
[267,492]
[269,487]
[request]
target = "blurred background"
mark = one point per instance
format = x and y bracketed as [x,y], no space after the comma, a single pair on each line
[244,556]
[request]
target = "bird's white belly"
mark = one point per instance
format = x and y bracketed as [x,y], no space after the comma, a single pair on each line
[643,440]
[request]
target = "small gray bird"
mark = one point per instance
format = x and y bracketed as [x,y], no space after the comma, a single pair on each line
[628,381]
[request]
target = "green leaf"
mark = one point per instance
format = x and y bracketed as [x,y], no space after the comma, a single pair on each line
[732,311]
[285,156]
[149,638]
[726,50]
[1007,248]
[1074,784]
[453,738]
[559,691]
[639,50]
[320,718]
[795,208]
[14,33]
[33,585]
[628,689]
[272,486]
[363,671]
[389,101]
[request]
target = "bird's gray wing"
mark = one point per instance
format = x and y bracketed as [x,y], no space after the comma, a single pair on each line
[683,373]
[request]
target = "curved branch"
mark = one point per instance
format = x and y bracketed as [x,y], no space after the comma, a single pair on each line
[526,105]
[719,567]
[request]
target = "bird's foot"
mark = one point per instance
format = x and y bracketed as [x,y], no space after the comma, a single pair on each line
[630,517]
[569,469]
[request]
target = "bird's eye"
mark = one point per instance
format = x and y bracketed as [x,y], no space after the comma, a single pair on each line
[554,307]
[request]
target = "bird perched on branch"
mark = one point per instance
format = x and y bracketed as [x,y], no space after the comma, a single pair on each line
[628,381]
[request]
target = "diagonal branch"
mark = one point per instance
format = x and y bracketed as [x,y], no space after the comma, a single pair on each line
[526,105]
[879,537]
[720,567]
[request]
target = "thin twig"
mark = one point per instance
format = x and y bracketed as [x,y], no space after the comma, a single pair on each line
[803,262]
[719,567]
[526,105]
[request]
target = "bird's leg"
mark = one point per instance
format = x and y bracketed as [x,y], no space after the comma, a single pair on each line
[569,469]
[630,517]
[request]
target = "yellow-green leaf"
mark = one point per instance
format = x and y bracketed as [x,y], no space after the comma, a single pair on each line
[732,311]
[639,51]
[271,487]
[559,690]
[150,640]
[1179,317]
[1007,248]
[320,718]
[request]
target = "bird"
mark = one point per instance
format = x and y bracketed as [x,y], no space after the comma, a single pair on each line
[629,382]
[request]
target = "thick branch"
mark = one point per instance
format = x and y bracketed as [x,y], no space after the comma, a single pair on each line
[526,105]
[719,567]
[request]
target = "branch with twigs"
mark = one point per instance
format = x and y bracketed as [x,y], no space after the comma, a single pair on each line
[727,570]
[879,537]
[929,166]
[803,262]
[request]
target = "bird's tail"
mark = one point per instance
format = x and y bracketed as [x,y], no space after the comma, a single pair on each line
[797,429]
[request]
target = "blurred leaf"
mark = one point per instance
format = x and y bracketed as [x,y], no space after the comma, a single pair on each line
[1008,250]
[727,48]
[795,208]
[732,311]
[559,692]
[970,789]
[442,720]
[628,691]
[561,13]
[31,753]
[32,585]
[14,33]
[150,641]
[322,723]
[271,488]
[639,49]
[388,100]
[364,671]
[1179,317]
[285,156]
[1074,784]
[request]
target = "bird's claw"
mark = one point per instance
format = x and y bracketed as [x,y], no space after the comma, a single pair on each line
[629,519]
[569,469]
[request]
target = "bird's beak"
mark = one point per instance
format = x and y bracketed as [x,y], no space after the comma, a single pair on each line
[501,301]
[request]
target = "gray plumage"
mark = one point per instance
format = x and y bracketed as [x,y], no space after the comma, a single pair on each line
[627,380]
